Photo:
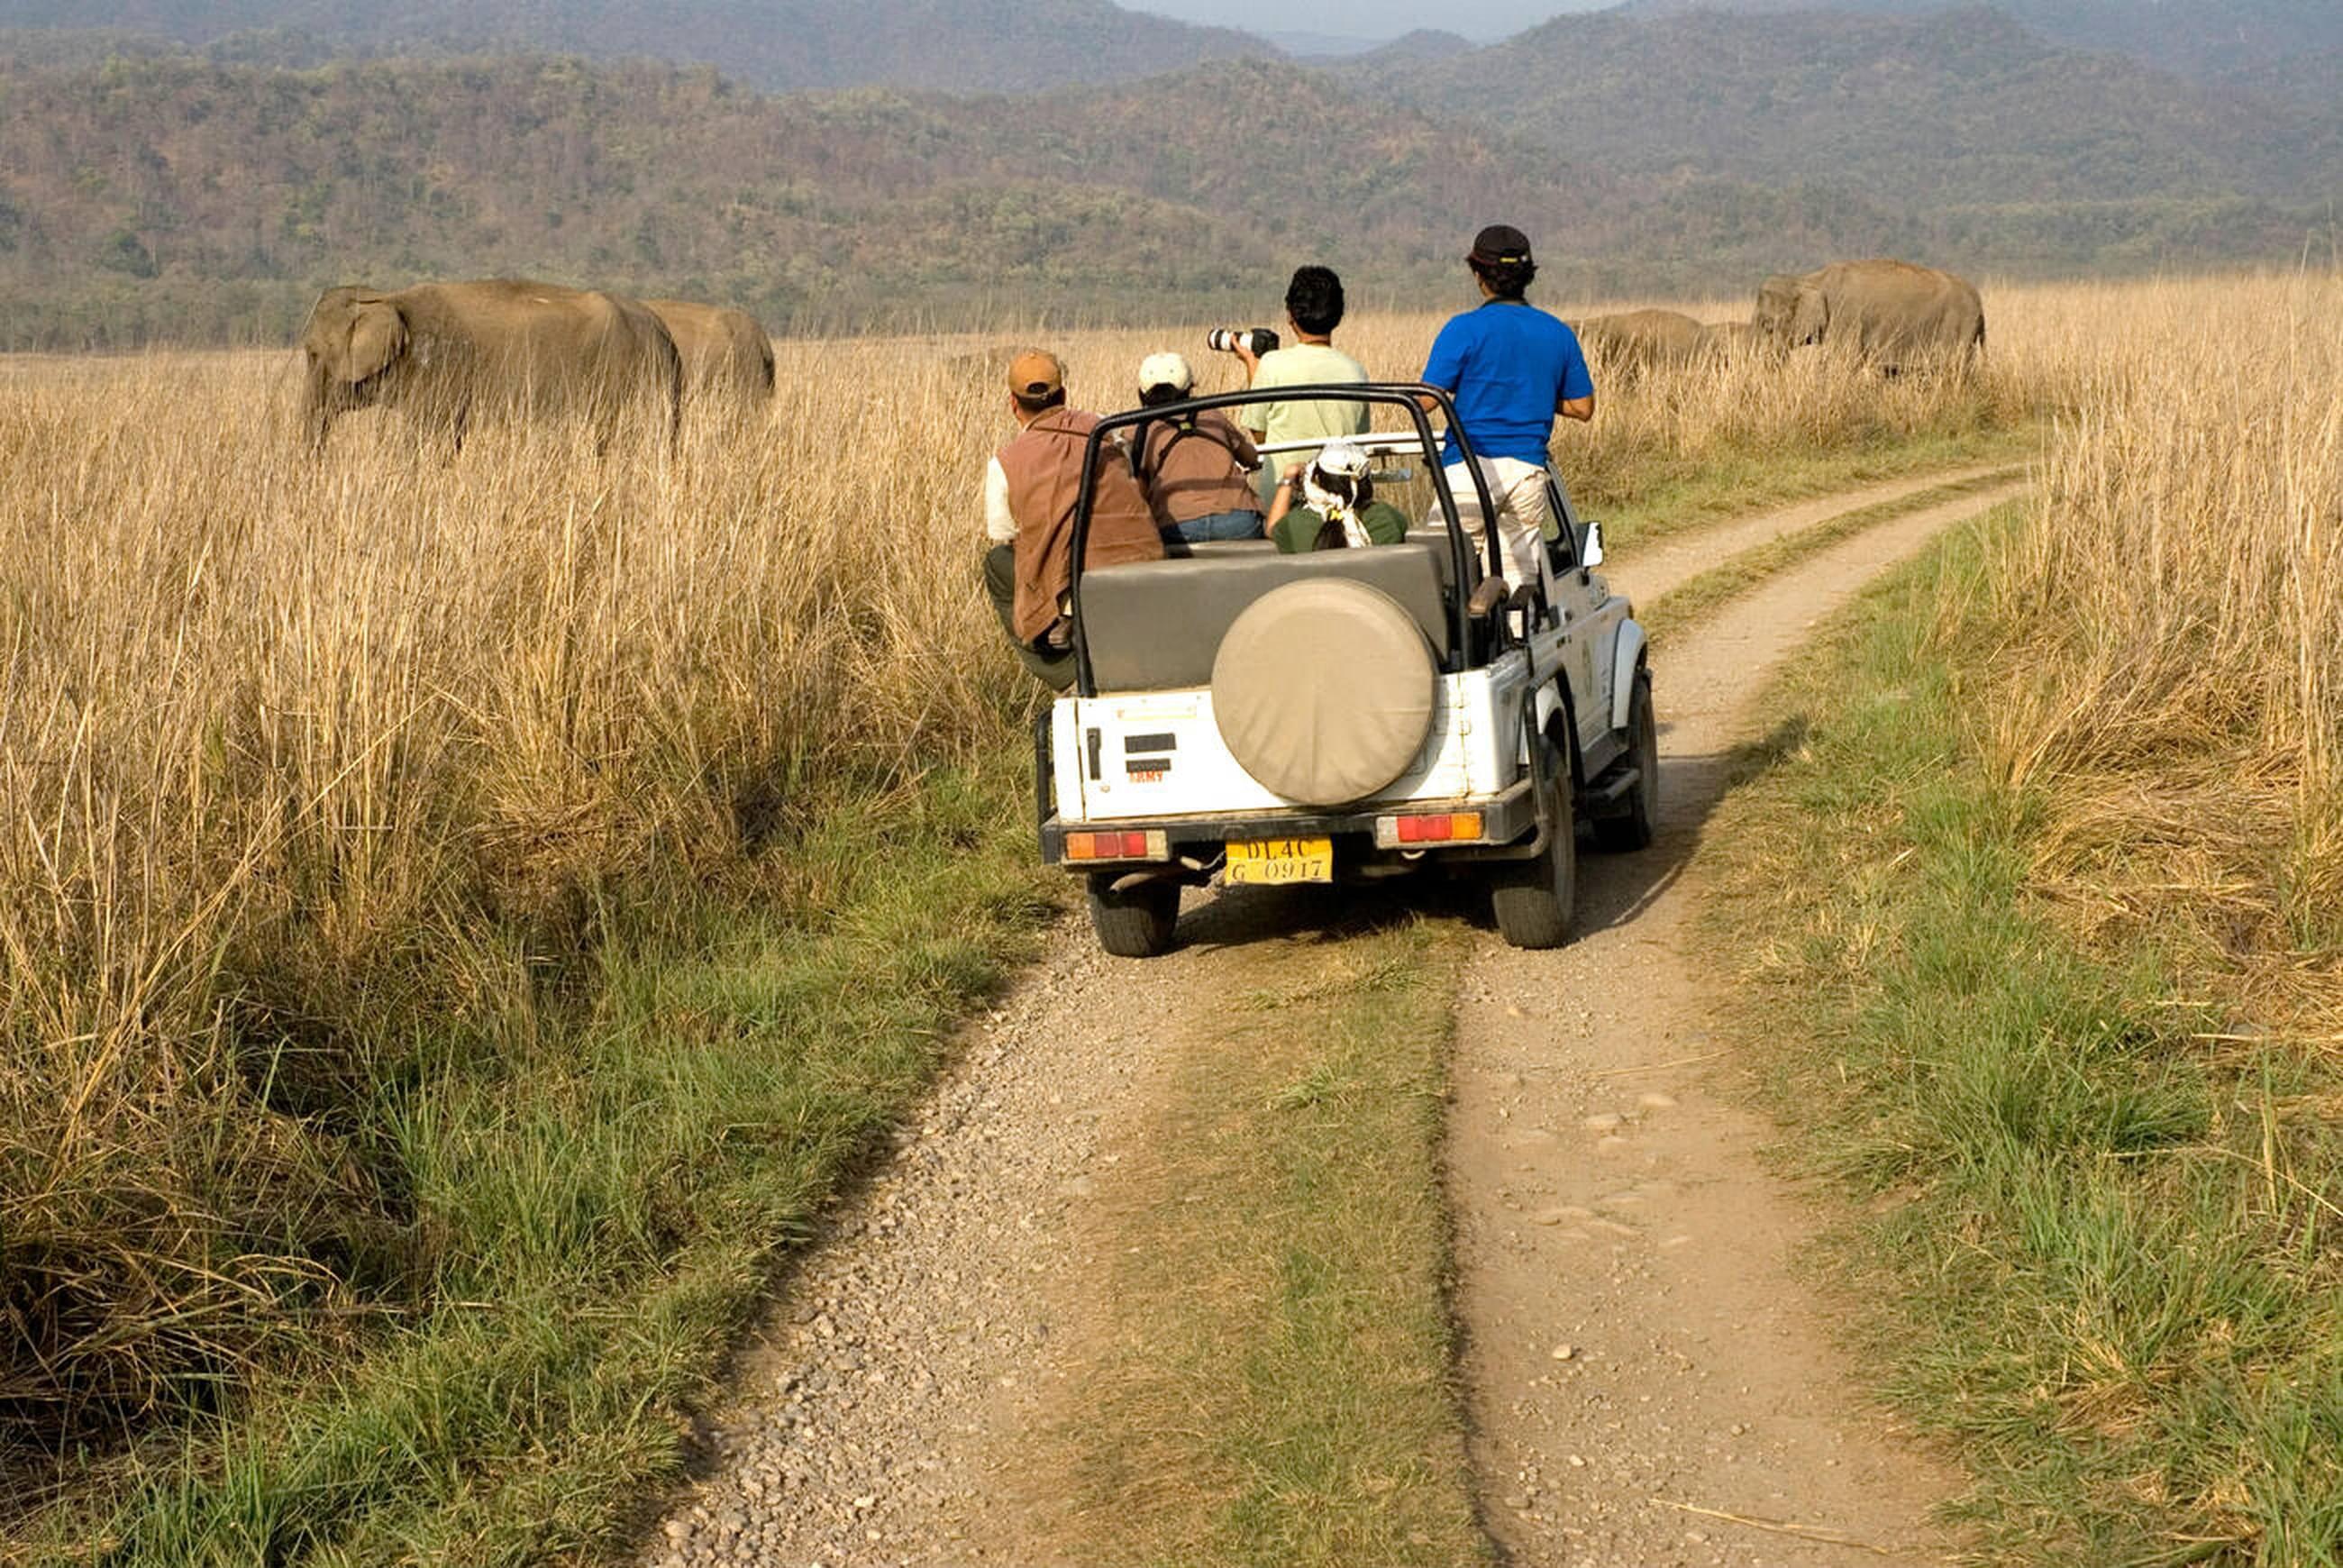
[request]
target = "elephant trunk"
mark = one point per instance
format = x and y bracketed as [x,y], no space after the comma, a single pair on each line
[317,412]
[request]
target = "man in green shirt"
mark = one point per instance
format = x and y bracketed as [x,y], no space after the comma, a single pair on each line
[1329,504]
[1313,308]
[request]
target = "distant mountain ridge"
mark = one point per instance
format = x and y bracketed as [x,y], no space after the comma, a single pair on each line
[1422,43]
[181,198]
[947,46]
[2290,50]
[1963,106]
[2288,47]
[198,196]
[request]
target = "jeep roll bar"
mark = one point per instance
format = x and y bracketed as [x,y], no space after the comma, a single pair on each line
[1397,394]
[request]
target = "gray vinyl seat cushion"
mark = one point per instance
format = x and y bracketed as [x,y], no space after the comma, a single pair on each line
[1156,626]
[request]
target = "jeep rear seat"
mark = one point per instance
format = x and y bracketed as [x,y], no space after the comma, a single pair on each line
[1155,626]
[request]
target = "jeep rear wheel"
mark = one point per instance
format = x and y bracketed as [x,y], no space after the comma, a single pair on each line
[1533,899]
[1136,918]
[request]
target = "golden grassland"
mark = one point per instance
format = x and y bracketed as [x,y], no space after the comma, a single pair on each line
[2178,680]
[305,765]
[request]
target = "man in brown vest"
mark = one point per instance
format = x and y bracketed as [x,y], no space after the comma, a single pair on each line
[1030,491]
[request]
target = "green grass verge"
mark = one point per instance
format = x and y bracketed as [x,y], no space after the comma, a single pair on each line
[1701,597]
[1275,1387]
[2098,1252]
[610,1188]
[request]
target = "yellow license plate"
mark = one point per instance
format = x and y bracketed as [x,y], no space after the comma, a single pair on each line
[1265,861]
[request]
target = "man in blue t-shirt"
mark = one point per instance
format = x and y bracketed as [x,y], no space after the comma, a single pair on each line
[1512,369]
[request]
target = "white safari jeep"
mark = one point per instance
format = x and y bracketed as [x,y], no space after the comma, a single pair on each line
[1346,714]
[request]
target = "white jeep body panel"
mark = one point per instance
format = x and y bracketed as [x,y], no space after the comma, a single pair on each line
[1122,757]
[1160,753]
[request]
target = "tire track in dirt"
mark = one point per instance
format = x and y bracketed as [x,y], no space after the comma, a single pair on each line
[1643,1357]
[884,1415]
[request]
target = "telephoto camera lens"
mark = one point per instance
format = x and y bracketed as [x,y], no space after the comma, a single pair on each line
[1258,340]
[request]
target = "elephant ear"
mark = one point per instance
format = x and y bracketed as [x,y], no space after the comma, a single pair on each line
[378,337]
[1809,315]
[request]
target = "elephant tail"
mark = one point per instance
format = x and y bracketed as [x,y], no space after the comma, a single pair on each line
[672,384]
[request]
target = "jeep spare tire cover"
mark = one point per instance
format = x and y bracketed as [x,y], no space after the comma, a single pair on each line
[1324,690]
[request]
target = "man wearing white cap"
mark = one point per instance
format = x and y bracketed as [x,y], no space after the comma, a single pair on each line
[1196,468]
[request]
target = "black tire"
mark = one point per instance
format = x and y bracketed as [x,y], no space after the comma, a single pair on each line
[1535,900]
[1136,920]
[1636,828]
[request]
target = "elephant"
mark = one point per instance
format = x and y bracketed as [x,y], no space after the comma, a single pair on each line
[449,353]
[1893,314]
[1725,342]
[726,354]
[1635,341]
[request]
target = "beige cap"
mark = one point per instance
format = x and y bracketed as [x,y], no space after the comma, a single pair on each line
[1165,369]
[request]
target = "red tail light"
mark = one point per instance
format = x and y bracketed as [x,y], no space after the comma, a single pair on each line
[1432,827]
[1123,846]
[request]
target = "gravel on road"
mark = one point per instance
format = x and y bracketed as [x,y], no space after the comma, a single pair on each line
[1633,1329]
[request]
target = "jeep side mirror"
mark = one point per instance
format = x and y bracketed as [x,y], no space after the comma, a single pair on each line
[1590,544]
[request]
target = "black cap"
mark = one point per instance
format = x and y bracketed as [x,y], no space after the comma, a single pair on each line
[1499,243]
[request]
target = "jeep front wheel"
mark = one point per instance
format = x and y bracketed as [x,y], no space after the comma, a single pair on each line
[1634,826]
[1533,900]
[1136,918]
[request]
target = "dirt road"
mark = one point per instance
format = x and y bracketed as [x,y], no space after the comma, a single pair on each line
[1605,1201]
[1610,1204]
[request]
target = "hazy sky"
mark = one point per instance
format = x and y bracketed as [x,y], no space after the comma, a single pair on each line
[1370,18]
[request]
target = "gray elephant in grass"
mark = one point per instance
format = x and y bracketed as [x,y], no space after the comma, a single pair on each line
[1635,341]
[1893,313]
[1725,342]
[450,353]
[726,354]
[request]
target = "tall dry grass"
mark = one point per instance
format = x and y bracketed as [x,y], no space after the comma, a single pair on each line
[304,763]
[2177,684]
[295,757]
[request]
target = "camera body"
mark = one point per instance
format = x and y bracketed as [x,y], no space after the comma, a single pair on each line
[1256,340]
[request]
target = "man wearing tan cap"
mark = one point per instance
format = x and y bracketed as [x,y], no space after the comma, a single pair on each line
[1030,487]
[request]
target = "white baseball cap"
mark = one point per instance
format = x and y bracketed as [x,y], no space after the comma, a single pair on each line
[1341,459]
[1165,369]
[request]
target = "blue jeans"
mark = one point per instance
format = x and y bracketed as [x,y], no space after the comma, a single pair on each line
[1217,525]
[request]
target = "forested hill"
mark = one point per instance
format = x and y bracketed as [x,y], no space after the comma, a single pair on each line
[2285,47]
[169,195]
[186,197]
[954,45]
[1957,108]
